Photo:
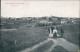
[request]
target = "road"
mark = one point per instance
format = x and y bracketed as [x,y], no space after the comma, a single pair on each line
[70,47]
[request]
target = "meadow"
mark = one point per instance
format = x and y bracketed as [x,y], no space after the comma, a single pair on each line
[28,35]
[22,38]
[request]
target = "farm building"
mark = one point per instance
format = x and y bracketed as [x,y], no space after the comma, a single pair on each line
[45,23]
[64,21]
[53,19]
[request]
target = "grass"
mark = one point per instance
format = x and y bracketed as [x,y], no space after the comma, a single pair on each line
[44,47]
[71,33]
[25,37]
[59,49]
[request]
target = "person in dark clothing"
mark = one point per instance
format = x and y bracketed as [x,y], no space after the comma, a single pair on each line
[62,31]
[51,29]
[55,35]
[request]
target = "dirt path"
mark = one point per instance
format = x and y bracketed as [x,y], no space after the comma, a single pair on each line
[64,43]
[67,45]
[35,46]
[59,41]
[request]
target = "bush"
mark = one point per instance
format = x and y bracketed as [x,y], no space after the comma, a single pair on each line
[71,33]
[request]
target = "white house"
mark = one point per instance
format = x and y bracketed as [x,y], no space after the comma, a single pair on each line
[64,21]
[53,19]
[45,22]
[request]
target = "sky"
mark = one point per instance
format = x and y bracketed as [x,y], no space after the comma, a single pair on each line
[39,8]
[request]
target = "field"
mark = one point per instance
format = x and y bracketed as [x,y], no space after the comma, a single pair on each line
[28,35]
[22,38]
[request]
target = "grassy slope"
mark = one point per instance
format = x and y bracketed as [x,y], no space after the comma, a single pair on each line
[59,49]
[71,33]
[25,37]
[29,36]
[43,47]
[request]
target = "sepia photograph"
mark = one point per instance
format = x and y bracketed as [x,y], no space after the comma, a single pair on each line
[40,26]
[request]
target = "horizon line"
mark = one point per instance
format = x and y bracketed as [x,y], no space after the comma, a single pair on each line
[40,17]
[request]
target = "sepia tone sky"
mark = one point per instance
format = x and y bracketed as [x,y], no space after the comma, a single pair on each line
[39,8]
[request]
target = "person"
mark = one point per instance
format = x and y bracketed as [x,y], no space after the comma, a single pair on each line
[52,28]
[51,32]
[55,33]
[62,31]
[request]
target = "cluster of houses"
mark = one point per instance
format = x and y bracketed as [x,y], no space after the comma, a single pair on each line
[49,20]
[46,19]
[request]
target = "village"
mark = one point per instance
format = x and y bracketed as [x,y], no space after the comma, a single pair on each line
[11,21]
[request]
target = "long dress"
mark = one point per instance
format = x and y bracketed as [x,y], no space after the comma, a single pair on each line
[51,34]
[54,33]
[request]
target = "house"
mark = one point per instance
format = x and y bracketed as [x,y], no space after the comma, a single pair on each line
[45,23]
[75,20]
[29,18]
[55,19]
[64,21]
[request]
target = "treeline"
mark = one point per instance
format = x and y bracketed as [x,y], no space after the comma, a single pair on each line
[12,22]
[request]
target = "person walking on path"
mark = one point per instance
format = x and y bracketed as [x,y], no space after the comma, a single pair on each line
[55,33]
[51,31]
[62,31]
